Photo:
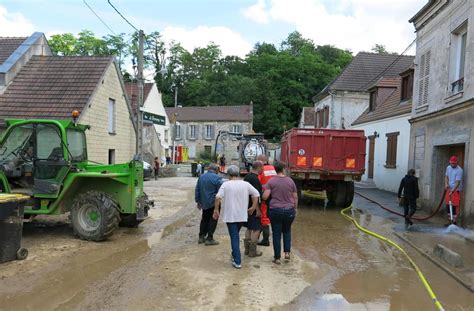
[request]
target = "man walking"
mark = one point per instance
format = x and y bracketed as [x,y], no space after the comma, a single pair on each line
[453,187]
[253,222]
[205,194]
[234,195]
[156,167]
[411,192]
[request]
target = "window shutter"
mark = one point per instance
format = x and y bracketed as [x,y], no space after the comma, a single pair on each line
[326,116]
[424,78]
[212,131]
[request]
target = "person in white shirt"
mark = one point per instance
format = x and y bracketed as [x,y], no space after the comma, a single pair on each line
[233,196]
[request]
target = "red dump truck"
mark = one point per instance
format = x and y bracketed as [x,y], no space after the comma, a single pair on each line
[324,159]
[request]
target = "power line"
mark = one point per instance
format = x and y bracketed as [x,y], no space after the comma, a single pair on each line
[121,15]
[97,15]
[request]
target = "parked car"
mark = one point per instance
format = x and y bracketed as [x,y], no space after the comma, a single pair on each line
[147,170]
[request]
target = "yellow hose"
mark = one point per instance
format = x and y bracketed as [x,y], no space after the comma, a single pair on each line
[382,238]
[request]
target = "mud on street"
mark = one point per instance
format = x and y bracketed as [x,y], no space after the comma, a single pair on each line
[160,265]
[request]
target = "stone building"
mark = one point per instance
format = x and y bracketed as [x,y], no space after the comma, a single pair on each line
[38,85]
[343,100]
[198,127]
[443,109]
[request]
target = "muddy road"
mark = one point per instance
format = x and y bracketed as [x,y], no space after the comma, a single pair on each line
[161,266]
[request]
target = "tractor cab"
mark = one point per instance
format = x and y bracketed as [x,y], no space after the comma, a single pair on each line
[36,155]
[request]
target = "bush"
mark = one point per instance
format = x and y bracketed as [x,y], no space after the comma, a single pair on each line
[205,156]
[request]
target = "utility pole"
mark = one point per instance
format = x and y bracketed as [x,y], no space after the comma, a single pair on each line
[141,36]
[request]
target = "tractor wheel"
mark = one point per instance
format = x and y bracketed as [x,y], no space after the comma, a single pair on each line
[344,193]
[129,220]
[94,216]
[349,193]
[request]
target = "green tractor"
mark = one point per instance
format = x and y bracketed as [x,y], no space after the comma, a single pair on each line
[47,160]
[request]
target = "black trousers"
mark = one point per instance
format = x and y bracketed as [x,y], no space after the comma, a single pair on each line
[409,208]
[208,224]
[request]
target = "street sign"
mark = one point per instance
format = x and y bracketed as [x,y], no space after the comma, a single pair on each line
[153,118]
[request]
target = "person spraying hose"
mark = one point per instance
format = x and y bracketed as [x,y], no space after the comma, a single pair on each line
[411,192]
[453,187]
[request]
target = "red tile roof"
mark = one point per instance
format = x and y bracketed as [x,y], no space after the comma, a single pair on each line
[53,86]
[212,113]
[132,92]
[8,45]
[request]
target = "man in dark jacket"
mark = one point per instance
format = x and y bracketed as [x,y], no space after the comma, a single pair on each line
[411,192]
[205,194]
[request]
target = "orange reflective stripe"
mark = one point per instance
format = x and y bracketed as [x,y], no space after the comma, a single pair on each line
[318,161]
[350,163]
[301,161]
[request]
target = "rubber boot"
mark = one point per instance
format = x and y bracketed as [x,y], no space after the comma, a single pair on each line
[265,236]
[246,246]
[253,250]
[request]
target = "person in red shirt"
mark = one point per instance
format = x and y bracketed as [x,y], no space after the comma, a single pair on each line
[267,173]
[156,167]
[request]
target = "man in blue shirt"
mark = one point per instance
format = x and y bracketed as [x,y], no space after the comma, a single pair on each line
[207,187]
[453,185]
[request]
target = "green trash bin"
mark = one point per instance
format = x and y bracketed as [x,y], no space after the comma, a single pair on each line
[11,227]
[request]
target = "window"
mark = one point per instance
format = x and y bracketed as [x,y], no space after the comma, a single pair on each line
[166,135]
[326,116]
[208,149]
[372,100]
[48,143]
[77,145]
[424,78]
[392,139]
[178,131]
[318,118]
[192,131]
[459,42]
[209,131]
[236,128]
[111,156]
[407,87]
[111,113]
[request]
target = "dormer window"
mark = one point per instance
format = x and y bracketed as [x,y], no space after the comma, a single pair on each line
[373,100]
[407,87]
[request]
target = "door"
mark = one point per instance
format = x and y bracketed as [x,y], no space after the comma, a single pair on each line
[370,173]
[458,150]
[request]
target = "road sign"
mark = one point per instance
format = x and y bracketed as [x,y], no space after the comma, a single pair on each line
[153,118]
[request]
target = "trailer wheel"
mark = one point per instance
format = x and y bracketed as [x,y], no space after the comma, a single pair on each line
[344,193]
[94,216]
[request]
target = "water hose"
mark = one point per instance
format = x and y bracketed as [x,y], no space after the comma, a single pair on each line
[427,286]
[399,214]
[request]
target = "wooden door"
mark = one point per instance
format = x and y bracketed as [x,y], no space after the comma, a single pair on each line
[371,156]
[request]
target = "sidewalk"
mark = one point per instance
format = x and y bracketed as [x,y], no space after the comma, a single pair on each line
[450,248]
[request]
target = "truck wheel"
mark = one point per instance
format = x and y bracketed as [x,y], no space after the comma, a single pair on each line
[349,193]
[340,195]
[22,254]
[94,216]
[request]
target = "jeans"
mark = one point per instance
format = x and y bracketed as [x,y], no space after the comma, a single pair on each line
[234,229]
[409,208]
[208,224]
[281,220]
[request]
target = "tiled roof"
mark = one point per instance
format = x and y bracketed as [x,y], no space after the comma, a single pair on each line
[52,86]
[309,116]
[8,45]
[365,69]
[390,107]
[132,91]
[212,113]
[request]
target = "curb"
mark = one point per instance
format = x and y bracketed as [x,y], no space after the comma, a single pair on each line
[436,262]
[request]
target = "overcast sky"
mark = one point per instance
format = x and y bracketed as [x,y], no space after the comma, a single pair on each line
[235,25]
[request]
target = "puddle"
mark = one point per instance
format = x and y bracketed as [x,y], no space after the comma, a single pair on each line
[337,302]
[154,238]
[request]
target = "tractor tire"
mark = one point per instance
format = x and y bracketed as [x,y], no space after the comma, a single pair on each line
[129,221]
[94,216]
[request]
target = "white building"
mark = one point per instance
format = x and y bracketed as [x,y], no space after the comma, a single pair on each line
[343,100]
[386,126]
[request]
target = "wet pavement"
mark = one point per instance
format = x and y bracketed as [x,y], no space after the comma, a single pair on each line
[161,266]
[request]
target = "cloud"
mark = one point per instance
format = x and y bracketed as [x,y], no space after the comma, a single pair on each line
[257,12]
[351,24]
[14,24]
[230,42]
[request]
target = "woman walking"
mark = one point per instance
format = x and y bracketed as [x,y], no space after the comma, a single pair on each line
[281,190]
